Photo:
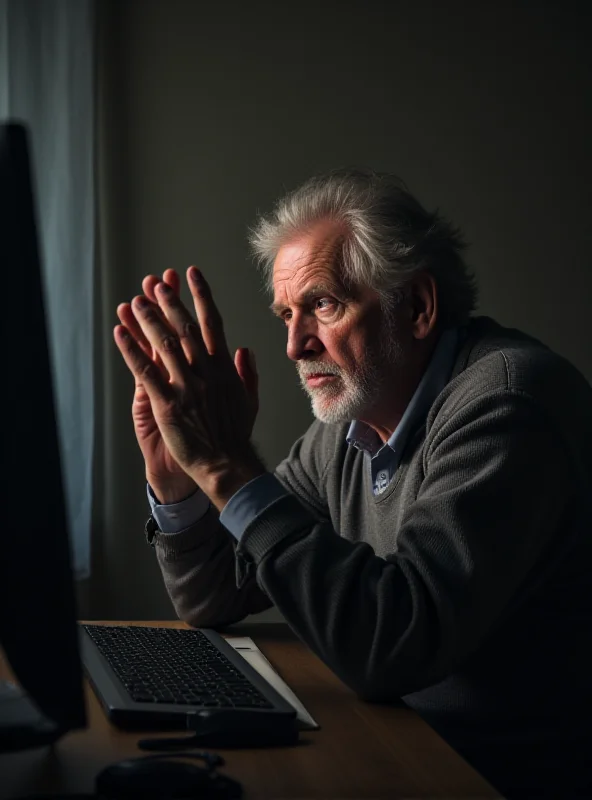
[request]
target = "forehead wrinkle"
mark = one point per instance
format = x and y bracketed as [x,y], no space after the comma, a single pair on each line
[302,265]
[308,281]
[317,250]
[314,258]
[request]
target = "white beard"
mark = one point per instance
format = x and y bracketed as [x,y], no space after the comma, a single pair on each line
[355,392]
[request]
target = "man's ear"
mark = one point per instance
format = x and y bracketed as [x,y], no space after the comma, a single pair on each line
[423,305]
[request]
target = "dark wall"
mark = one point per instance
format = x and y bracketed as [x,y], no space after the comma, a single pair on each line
[483,108]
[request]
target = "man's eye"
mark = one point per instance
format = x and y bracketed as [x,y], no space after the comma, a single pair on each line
[324,304]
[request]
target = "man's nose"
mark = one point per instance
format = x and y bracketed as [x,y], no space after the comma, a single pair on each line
[302,339]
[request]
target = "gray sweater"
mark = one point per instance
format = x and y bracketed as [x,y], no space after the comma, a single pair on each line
[464,588]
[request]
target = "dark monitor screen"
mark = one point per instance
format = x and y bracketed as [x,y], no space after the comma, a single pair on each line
[38,630]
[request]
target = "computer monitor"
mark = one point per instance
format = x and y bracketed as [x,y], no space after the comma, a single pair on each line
[38,631]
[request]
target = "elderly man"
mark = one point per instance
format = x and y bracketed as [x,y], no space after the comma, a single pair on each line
[429,536]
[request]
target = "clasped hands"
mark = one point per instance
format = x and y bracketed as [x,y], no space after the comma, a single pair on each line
[194,407]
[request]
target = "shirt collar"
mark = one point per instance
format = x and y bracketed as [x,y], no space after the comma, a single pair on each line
[431,384]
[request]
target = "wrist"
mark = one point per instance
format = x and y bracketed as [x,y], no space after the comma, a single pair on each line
[168,493]
[226,480]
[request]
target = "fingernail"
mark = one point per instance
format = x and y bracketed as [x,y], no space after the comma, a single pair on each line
[142,302]
[195,275]
[164,288]
[252,362]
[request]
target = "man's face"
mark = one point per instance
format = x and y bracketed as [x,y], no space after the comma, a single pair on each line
[345,348]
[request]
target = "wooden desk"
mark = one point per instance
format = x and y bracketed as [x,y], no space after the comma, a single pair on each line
[361,751]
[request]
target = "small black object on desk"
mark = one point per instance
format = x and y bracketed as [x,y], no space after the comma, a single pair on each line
[158,777]
[231,728]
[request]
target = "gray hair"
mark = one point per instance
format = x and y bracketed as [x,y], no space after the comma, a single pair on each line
[389,237]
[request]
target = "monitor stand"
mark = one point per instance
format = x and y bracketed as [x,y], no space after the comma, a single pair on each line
[22,725]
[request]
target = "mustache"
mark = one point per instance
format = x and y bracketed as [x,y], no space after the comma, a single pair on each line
[307,368]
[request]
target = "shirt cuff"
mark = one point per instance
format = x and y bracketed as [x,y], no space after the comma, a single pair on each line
[249,502]
[176,517]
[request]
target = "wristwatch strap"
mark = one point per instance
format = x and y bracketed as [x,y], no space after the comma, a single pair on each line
[151,529]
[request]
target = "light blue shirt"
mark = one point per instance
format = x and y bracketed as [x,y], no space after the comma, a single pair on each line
[261,492]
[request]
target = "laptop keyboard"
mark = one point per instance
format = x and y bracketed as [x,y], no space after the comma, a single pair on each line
[166,665]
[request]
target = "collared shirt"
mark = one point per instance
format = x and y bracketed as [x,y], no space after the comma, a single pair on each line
[385,457]
[253,498]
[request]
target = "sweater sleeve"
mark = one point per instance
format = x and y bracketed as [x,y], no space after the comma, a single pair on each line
[199,564]
[199,571]
[496,482]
